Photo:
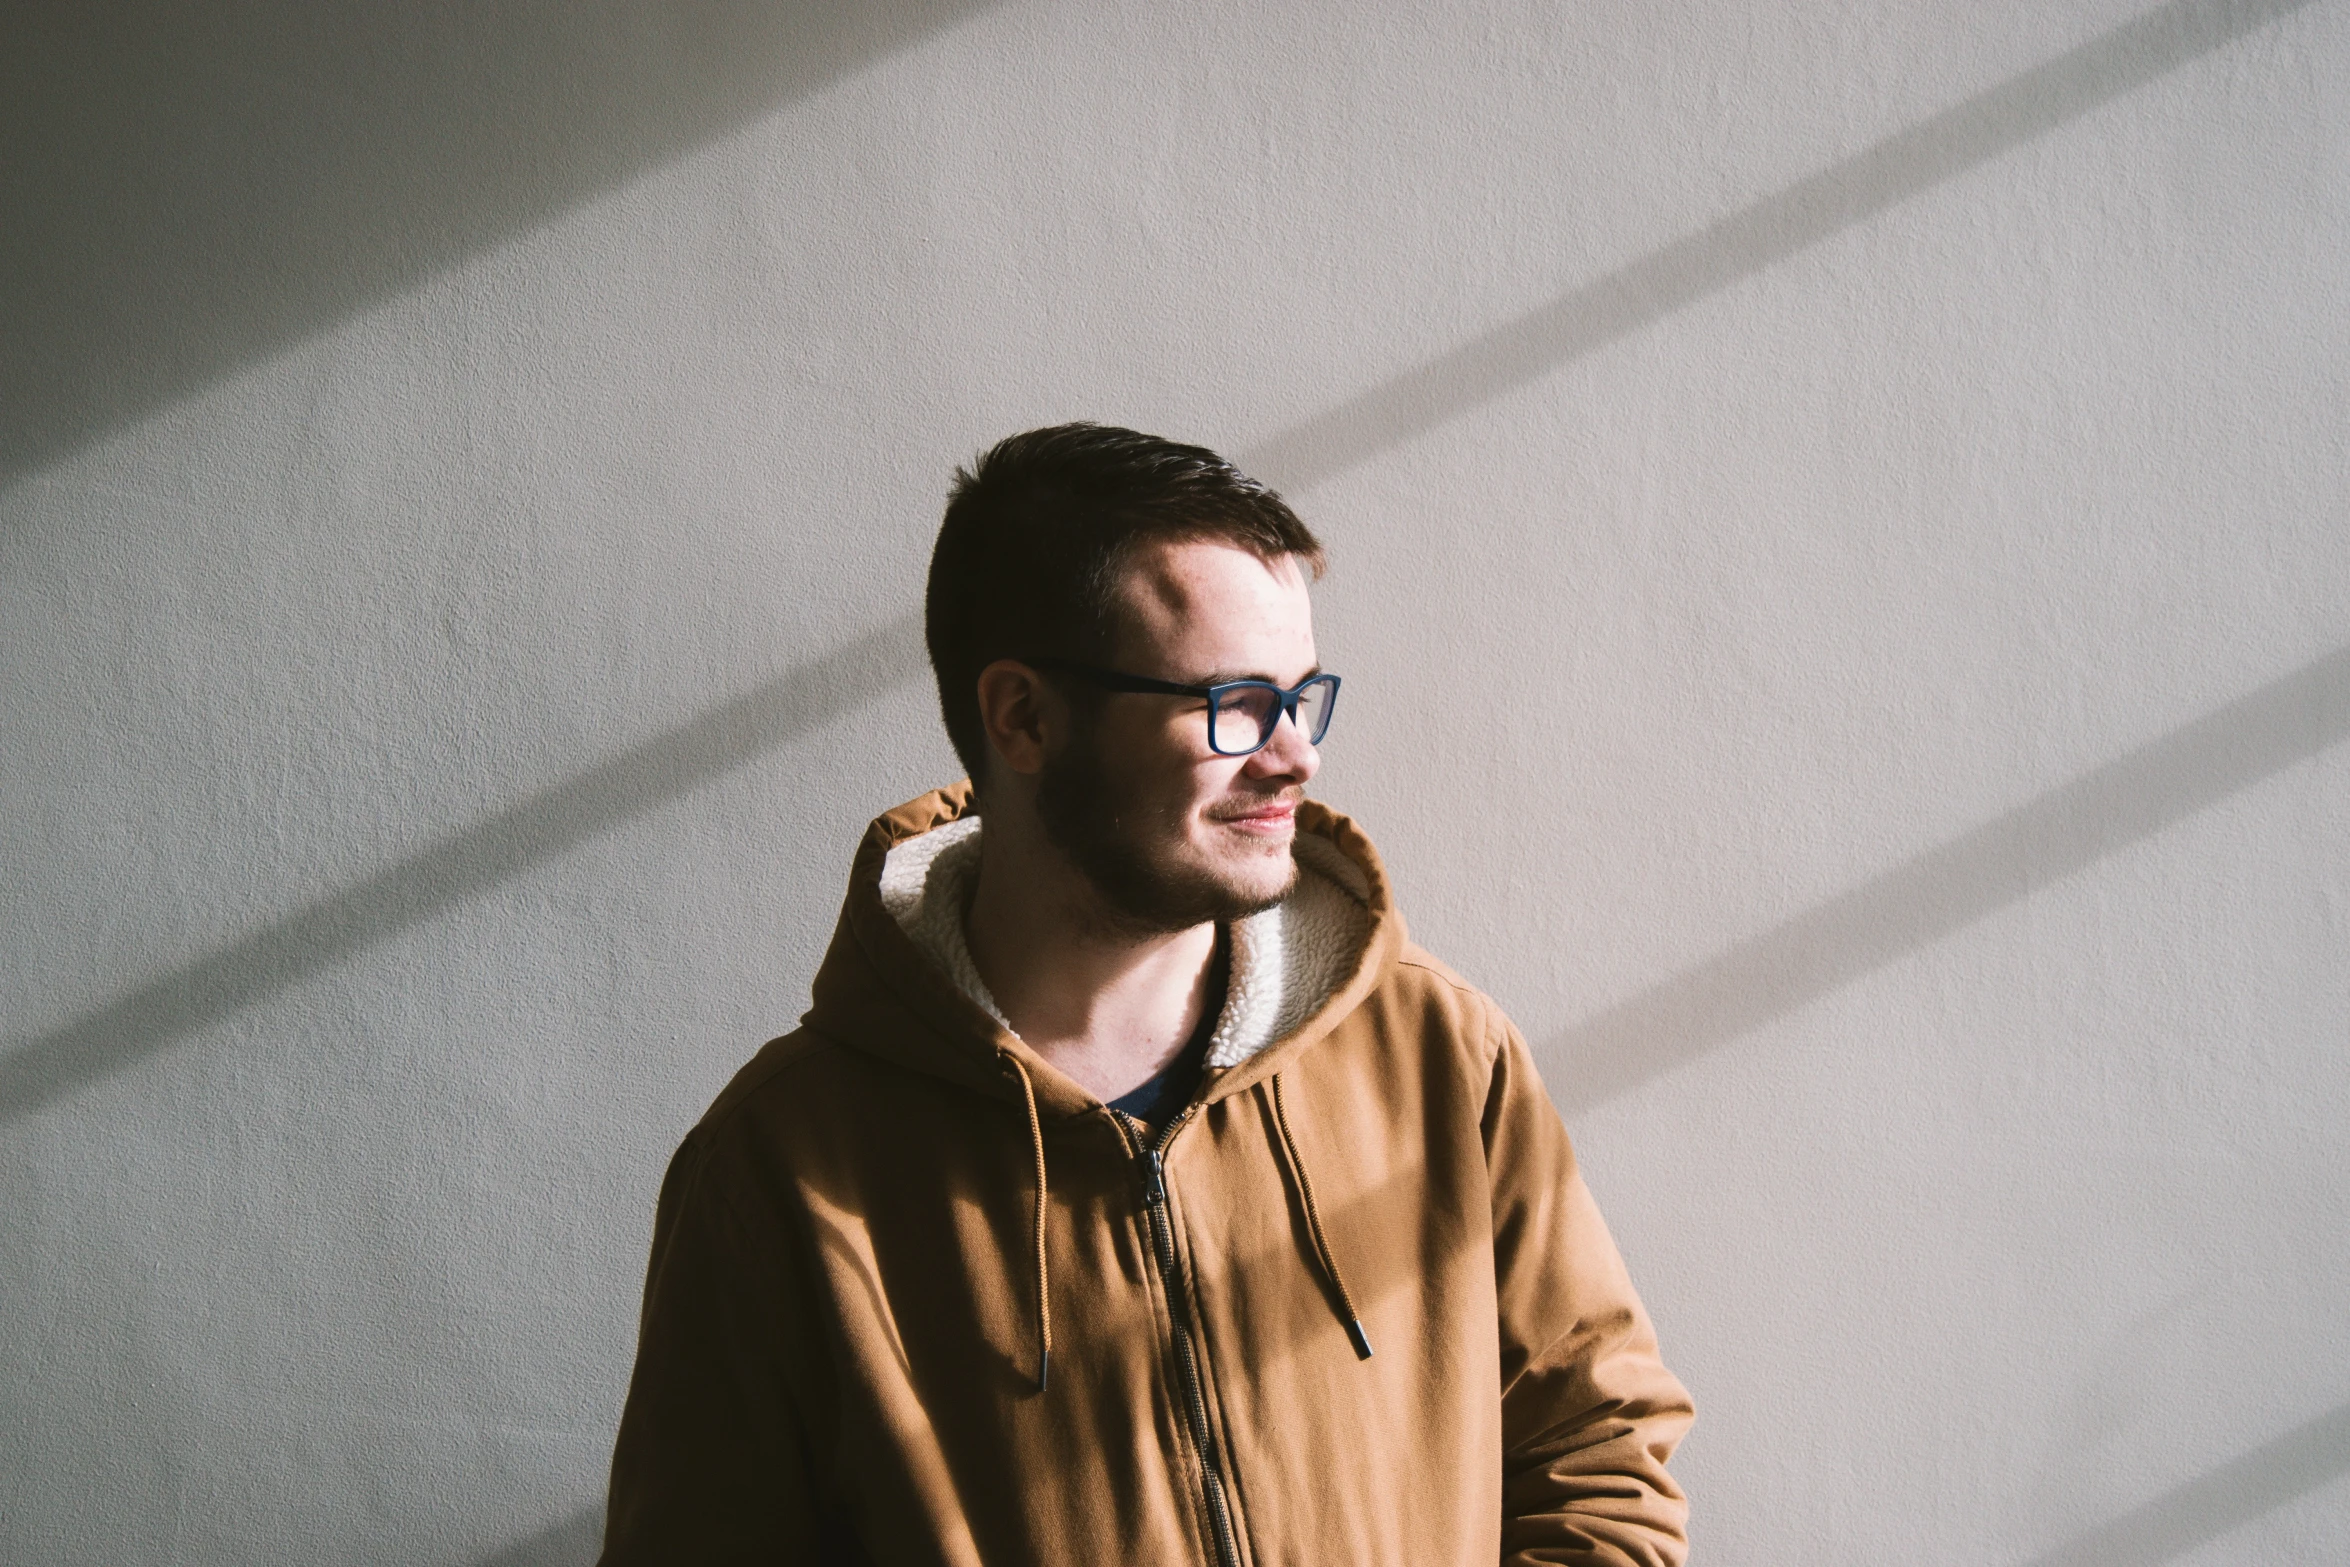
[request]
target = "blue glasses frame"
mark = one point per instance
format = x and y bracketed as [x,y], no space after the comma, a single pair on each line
[1284,701]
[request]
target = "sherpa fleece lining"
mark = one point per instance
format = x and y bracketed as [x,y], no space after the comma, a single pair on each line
[1285,961]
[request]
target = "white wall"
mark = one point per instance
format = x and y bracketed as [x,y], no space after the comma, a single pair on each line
[1841,573]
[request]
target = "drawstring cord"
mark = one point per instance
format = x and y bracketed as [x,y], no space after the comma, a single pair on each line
[1305,1187]
[1044,1288]
[1297,1167]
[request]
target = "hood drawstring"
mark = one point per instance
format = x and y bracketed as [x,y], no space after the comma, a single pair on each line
[1297,1168]
[1044,1288]
[1305,1188]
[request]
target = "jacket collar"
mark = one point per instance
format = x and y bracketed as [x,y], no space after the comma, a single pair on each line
[898,982]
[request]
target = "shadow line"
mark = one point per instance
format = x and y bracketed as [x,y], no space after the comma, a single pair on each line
[1952,885]
[2203,1509]
[574,1541]
[1755,237]
[155,269]
[186,189]
[466,863]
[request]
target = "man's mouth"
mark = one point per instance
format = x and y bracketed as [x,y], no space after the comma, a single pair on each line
[1269,816]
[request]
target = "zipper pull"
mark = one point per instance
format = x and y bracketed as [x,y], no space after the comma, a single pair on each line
[1154,1179]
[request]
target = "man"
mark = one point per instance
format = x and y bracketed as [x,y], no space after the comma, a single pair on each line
[1134,1191]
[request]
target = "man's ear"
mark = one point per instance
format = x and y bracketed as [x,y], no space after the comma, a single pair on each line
[1023,716]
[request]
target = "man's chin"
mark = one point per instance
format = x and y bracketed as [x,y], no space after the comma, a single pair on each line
[1209,889]
[1256,881]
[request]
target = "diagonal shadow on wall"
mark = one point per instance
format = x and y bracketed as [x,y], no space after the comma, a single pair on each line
[572,1542]
[113,1036]
[1952,885]
[185,189]
[1754,237]
[2179,1520]
[462,865]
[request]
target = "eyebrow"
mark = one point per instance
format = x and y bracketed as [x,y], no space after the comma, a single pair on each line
[1222,677]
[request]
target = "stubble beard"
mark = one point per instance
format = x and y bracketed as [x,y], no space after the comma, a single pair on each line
[1101,833]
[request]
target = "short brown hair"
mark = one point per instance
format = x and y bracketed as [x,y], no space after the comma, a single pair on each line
[1038,531]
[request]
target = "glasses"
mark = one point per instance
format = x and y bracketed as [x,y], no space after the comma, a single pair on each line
[1242,714]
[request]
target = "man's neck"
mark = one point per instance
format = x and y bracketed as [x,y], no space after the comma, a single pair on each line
[1107,1006]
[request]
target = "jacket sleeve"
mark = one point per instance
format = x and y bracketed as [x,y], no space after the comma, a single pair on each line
[712,1462]
[1589,1413]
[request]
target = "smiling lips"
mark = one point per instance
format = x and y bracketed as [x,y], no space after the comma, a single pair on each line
[1270,817]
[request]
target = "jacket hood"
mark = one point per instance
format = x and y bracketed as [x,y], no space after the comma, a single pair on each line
[899,981]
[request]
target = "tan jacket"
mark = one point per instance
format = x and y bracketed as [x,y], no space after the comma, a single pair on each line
[864,1249]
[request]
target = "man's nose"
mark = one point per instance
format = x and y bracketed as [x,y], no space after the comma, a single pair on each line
[1288,754]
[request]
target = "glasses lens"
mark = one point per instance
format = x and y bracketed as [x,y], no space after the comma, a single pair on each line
[1313,708]
[1244,720]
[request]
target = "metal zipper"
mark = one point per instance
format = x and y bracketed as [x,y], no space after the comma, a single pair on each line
[1154,1202]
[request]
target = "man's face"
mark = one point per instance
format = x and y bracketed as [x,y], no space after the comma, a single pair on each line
[1170,833]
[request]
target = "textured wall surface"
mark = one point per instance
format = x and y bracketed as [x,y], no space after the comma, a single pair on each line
[1841,518]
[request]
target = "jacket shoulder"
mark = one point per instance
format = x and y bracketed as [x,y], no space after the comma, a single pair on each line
[777,1061]
[1418,968]
[1427,986]
[1415,956]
